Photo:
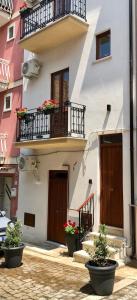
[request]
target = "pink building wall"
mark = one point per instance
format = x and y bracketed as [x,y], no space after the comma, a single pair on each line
[11,51]
[8,120]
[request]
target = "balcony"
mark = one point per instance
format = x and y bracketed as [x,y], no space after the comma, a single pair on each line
[58,128]
[6,8]
[52,23]
[3,147]
[4,74]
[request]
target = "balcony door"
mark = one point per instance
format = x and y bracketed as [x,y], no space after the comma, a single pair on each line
[61,7]
[60,92]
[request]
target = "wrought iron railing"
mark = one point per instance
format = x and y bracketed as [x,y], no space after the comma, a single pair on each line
[4,71]
[86,214]
[48,11]
[68,120]
[6,5]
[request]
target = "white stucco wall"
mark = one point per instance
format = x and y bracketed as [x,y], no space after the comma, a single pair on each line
[94,84]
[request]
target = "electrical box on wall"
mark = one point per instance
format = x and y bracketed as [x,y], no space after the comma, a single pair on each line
[13,192]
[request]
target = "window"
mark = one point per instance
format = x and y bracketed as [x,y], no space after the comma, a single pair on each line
[29,219]
[7,102]
[103,45]
[11,32]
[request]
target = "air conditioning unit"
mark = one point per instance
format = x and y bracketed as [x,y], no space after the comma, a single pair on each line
[31,68]
[27,164]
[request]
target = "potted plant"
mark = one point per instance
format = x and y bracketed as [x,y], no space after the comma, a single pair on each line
[12,246]
[73,236]
[101,268]
[21,112]
[24,8]
[47,106]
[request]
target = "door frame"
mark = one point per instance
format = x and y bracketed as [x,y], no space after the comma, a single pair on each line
[60,116]
[121,142]
[61,85]
[62,171]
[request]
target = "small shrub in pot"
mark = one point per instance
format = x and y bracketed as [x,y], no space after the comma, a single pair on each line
[13,246]
[101,267]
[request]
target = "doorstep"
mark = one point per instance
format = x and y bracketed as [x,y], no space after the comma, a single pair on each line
[59,254]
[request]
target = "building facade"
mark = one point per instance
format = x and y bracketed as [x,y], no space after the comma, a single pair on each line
[11,57]
[76,53]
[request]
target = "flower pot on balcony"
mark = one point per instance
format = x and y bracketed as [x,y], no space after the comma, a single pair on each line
[28,118]
[21,116]
[48,111]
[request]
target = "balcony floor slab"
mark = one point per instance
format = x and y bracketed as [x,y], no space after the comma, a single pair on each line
[63,143]
[4,17]
[54,34]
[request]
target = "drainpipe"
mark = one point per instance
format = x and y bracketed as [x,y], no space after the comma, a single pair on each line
[131,126]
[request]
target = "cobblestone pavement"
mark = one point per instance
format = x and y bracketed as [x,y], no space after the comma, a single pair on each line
[127,293]
[43,279]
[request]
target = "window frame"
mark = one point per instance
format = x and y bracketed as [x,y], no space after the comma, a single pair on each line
[8,28]
[10,108]
[98,37]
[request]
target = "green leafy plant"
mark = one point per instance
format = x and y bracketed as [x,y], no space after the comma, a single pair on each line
[100,251]
[13,235]
[71,228]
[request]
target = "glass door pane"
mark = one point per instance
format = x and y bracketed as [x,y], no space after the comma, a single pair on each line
[56,87]
[65,86]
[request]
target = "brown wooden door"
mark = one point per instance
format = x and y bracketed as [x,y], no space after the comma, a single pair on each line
[57,205]
[111,181]
[59,92]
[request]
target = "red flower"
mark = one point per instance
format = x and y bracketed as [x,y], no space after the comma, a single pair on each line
[65,225]
[24,5]
[76,231]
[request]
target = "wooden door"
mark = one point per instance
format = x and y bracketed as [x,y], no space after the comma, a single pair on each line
[59,92]
[57,205]
[111,181]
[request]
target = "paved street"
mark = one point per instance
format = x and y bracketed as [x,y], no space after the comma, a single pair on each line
[47,277]
[43,279]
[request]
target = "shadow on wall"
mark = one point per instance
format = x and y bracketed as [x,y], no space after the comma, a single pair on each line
[80,173]
[97,82]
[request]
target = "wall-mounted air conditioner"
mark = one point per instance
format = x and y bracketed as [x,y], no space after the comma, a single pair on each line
[27,164]
[31,68]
